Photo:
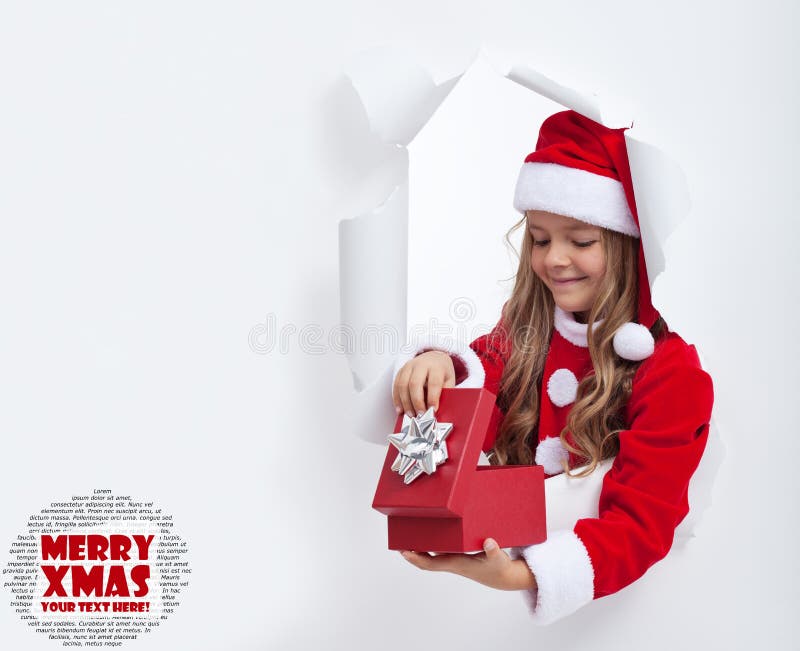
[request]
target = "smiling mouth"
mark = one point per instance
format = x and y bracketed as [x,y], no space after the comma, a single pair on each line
[567,281]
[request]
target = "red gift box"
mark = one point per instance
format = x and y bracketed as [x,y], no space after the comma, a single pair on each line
[461,504]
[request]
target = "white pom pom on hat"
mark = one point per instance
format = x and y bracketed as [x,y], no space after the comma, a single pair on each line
[633,342]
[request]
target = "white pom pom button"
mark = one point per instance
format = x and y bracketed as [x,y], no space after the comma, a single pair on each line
[633,342]
[550,453]
[562,387]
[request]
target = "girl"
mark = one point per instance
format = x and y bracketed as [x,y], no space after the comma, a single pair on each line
[584,370]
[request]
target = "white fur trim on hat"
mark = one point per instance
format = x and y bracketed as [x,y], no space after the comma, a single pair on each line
[633,341]
[591,198]
[475,372]
[562,387]
[550,454]
[564,576]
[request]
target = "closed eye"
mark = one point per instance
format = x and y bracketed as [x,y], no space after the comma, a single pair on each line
[583,245]
[541,242]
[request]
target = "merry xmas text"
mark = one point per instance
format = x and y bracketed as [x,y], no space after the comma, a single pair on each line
[92,580]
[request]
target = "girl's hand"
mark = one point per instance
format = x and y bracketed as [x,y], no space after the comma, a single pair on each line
[492,567]
[432,371]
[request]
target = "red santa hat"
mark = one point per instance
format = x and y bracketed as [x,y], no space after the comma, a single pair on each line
[580,169]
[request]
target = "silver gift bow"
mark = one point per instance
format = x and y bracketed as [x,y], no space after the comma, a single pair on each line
[421,445]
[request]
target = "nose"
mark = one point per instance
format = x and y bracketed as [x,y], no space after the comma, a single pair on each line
[556,256]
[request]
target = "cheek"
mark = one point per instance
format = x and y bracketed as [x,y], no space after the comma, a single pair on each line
[596,266]
[601,272]
[536,264]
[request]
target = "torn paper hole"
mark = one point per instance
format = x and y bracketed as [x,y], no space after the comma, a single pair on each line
[466,140]
[398,97]
[570,499]
[702,484]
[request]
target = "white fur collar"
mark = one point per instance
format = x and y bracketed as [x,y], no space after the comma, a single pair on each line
[570,329]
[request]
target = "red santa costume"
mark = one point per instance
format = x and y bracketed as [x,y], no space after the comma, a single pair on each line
[580,169]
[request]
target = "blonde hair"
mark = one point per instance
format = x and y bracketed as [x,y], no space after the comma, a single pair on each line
[596,417]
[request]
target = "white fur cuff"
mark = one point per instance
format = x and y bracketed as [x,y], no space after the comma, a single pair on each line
[475,372]
[564,576]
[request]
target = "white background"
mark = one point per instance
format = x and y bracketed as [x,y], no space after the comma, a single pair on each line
[173,173]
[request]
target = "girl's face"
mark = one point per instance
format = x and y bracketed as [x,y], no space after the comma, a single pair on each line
[568,256]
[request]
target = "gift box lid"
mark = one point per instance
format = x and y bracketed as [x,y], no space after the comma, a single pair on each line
[443,493]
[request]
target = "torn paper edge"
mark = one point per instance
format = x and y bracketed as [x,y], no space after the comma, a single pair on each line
[662,202]
[373,263]
[398,97]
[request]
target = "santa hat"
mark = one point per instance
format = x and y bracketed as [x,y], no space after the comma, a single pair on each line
[580,169]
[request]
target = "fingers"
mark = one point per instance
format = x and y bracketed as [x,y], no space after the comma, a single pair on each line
[425,561]
[492,549]
[408,391]
[471,566]
[418,560]
[416,388]
[418,385]
[399,383]
[441,376]
[400,390]
[492,567]
[435,383]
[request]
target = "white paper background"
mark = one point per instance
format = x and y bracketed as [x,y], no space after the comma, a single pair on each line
[172,176]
